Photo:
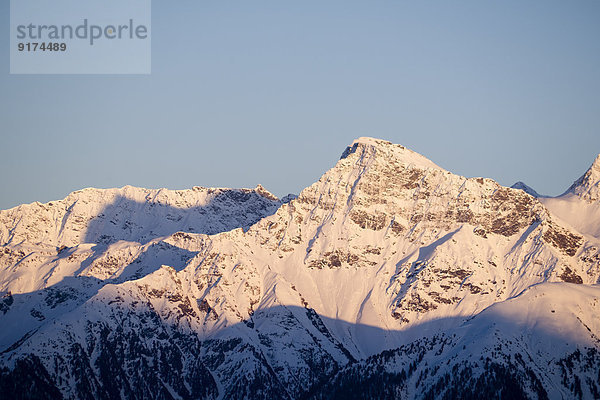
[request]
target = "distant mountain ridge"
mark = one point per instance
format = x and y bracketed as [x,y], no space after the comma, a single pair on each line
[526,188]
[389,277]
[91,212]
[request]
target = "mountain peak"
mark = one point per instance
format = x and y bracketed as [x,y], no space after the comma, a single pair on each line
[526,188]
[588,186]
[371,141]
[596,164]
[363,142]
[388,150]
[259,189]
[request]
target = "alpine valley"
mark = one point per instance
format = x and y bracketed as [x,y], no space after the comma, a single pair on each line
[388,278]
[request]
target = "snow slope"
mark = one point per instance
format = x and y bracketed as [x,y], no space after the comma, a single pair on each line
[579,206]
[578,213]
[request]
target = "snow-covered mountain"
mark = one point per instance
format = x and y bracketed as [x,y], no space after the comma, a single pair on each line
[390,277]
[588,186]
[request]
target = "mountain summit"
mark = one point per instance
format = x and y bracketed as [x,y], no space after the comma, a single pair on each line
[588,186]
[388,278]
[394,152]
[526,188]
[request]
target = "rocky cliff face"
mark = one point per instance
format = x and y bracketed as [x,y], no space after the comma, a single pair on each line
[390,277]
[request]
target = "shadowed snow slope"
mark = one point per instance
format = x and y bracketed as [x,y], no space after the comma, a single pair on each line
[389,277]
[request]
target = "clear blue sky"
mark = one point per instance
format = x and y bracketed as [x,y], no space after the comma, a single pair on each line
[271,92]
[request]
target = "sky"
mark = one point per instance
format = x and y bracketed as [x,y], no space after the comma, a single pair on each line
[271,92]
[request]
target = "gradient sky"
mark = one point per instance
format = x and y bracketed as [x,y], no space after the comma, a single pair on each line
[271,92]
